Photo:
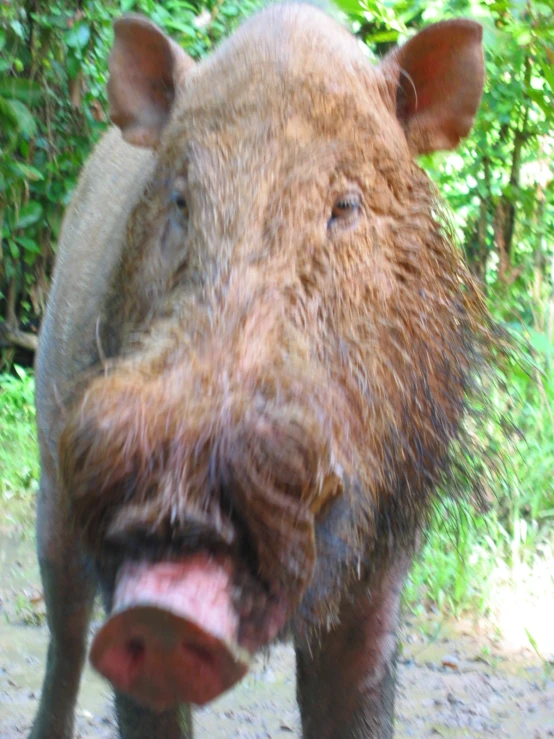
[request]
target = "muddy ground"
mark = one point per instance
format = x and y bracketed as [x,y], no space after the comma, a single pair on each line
[456,679]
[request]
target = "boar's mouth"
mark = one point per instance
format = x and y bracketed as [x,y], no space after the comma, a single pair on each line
[248,480]
[139,529]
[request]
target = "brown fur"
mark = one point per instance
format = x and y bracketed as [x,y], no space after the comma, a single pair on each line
[262,344]
[275,357]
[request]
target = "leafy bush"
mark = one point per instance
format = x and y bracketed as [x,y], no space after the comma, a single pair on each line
[468,553]
[19,468]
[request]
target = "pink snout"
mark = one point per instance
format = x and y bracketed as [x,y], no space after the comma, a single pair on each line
[172,635]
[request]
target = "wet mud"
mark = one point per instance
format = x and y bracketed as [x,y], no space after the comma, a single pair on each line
[456,679]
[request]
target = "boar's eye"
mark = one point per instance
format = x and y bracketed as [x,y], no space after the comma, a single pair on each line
[179,199]
[345,208]
[178,195]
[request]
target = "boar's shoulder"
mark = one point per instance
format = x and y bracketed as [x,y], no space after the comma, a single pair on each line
[89,248]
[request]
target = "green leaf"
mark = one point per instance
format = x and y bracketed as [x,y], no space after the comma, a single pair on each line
[30,173]
[21,116]
[54,21]
[540,342]
[523,36]
[18,29]
[73,65]
[77,37]
[354,7]
[14,251]
[7,115]
[532,642]
[382,37]
[29,214]
[548,73]
[28,91]
[19,371]
[2,38]
[28,244]
[184,28]
[542,8]
[542,102]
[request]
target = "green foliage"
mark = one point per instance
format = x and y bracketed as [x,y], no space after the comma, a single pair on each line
[19,469]
[468,552]
[47,121]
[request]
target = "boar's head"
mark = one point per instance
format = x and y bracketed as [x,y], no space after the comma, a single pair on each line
[291,335]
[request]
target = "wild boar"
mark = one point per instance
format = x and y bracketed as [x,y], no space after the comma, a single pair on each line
[258,353]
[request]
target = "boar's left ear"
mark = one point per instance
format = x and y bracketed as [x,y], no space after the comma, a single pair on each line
[145,68]
[436,83]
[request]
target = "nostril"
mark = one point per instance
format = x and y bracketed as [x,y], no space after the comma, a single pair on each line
[136,650]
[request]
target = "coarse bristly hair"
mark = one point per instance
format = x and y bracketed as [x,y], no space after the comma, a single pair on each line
[296,393]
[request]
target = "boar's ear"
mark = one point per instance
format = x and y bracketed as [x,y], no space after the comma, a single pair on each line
[145,68]
[437,80]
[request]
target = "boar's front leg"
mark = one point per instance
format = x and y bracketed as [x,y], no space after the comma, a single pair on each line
[346,677]
[69,588]
[136,722]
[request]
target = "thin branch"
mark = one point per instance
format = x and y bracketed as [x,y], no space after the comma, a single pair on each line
[15,337]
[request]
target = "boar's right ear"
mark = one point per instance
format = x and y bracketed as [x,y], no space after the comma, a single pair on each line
[145,67]
[436,81]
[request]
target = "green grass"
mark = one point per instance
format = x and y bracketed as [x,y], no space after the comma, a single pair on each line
[469,556]
[19,468]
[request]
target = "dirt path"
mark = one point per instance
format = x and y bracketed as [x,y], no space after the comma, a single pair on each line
[455,680]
